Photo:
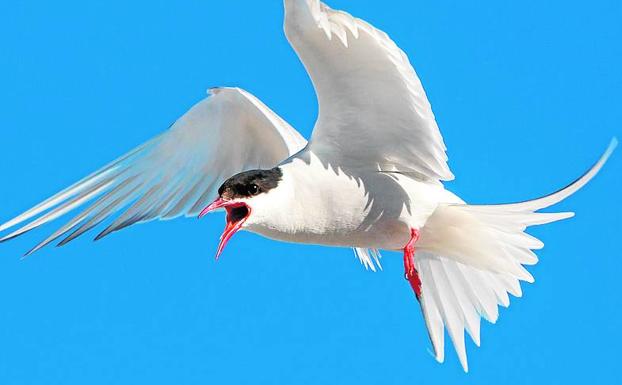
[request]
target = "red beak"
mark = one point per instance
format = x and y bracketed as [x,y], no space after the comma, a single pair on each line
[215,205]
[237,214]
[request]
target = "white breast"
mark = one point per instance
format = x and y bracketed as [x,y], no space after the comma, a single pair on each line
[319,204]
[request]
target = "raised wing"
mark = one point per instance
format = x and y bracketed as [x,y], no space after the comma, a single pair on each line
[373,111]
[176,173]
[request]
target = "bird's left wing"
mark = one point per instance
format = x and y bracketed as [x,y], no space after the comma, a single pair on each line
[373,110]
[176,173]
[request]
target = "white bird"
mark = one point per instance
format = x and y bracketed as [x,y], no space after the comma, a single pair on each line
[369,178]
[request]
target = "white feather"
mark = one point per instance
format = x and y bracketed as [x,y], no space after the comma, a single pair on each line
[373,109]
[476,267]
[175,173]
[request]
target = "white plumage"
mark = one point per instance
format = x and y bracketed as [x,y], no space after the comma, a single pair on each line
[369,178]
[176,173]
[364,81]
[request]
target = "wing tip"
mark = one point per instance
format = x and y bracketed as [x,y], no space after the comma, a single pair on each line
[14,235]
[100,236]
[107,231]
[64,241]
[31,252]
[5,225]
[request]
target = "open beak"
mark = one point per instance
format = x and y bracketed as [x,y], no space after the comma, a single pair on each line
[237,214]
[215,205]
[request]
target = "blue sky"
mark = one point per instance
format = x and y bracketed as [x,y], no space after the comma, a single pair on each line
[527,95]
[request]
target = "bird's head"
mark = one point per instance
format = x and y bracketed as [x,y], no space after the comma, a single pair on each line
[240,195]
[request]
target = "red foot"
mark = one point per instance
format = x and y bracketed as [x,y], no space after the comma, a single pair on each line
[410,271]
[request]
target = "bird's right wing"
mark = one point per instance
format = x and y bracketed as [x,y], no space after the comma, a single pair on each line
[373,110]
[176,173]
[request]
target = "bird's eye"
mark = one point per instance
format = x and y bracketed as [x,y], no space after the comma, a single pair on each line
[253,189]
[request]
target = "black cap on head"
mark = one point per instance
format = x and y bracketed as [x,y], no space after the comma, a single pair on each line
[250,183]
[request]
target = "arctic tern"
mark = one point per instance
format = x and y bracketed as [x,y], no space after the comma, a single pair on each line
[369,178]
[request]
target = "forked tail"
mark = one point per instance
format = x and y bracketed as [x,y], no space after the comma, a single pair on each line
[471,256]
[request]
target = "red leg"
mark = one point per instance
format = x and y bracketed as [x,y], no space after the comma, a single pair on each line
[410,271]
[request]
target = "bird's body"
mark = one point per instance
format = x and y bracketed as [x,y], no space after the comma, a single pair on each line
[370,177]
[317,204]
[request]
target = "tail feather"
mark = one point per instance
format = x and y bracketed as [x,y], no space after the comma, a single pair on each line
[556,197]
[470,257]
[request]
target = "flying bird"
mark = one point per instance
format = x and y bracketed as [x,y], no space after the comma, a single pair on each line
[369,178]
